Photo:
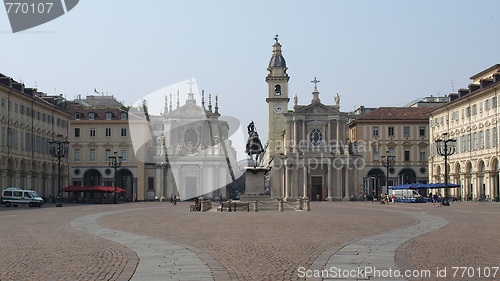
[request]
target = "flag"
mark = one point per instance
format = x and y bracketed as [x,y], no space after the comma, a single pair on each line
[96,90]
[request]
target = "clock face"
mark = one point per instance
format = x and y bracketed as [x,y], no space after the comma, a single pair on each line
[278,109]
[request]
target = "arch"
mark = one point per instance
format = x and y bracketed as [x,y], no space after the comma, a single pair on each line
[92,177]
[125,179]
[407,175]
[375,178]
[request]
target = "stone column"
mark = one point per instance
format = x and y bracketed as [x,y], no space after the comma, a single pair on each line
[329,181]
[295,135]
[304,186]
[346,170]
[337,137]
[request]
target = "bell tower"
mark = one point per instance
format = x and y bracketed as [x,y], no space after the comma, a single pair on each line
[277,99]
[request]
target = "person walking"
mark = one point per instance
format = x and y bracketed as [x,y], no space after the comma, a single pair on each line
[435,198]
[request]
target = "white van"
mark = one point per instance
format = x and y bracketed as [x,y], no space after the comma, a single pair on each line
[406,193]
[16,196]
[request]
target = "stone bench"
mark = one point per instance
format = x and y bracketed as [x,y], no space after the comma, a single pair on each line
[232,206]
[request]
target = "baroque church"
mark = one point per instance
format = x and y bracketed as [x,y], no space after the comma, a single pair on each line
[308,154]
[194,156]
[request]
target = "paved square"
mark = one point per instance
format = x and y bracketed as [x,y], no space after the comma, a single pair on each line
[158,241]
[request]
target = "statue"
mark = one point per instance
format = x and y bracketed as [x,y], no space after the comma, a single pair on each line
[295,100]
[178,149]
[337,99]
[254,146]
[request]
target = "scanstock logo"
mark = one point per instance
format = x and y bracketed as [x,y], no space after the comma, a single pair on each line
[176,124]
[26,14]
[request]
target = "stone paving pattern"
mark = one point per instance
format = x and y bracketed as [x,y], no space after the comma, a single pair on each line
[39,244]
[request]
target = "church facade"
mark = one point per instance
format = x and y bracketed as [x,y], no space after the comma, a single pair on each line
[308,153]
[194,156]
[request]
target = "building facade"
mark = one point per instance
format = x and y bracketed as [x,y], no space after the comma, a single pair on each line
[402,132]
[98,129]
[308,152]
[29,120]
[194,155]
[471,118]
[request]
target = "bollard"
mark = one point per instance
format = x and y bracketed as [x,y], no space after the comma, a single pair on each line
[299,204]
[255,209]
[280,206]
[306,205]
[203,206]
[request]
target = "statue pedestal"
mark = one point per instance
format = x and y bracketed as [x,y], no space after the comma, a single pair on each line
[254,184]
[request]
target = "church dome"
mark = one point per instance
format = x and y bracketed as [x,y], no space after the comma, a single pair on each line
[277,60]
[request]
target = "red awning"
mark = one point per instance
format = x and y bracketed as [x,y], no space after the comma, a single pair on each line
[75,188]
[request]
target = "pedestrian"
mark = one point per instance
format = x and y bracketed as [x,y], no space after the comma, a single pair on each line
[352,197]
[171,198]
[435,199]
[175,200]
[135,197]
[220,199]
[393,198]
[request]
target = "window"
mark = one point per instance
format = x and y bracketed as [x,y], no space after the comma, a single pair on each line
[474,109]
[406,131]
[151,183]
[481,139]
[390,131]
[123,115]
[77,155]
[493,101]
[474,141]
[92,155]
[487,138]
[487,104]
[124,132]
[91,116]
[467,111]
[375,131]
[78,116]
[421,131]
[109,115]
[108,132]
[494,136]
[77,132]
[107,154]
[316,137]
[423,156]
[407,155]
[92,132]
[124,155]
[375,153]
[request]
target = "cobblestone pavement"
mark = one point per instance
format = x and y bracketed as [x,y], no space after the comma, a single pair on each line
[39,244]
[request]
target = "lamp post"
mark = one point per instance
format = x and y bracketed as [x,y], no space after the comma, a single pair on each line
[446,147]
[58,149]
[387,162]
[115,162]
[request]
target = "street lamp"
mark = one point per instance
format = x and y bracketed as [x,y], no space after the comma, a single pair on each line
[387,162]
[446,147]
[58,149]
[115,162]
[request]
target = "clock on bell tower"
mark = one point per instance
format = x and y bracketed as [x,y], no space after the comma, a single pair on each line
[277,99]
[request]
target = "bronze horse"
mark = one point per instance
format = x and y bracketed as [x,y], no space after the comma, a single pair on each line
[254,146]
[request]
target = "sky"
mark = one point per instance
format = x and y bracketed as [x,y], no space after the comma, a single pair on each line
[373,53]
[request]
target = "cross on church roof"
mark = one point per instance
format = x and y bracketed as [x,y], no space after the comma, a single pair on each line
[276,38]
[315,81]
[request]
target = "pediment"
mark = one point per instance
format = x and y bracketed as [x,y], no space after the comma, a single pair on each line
[317,108]
[191,110]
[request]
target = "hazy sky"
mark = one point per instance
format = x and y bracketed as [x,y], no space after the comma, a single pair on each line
[373,53]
